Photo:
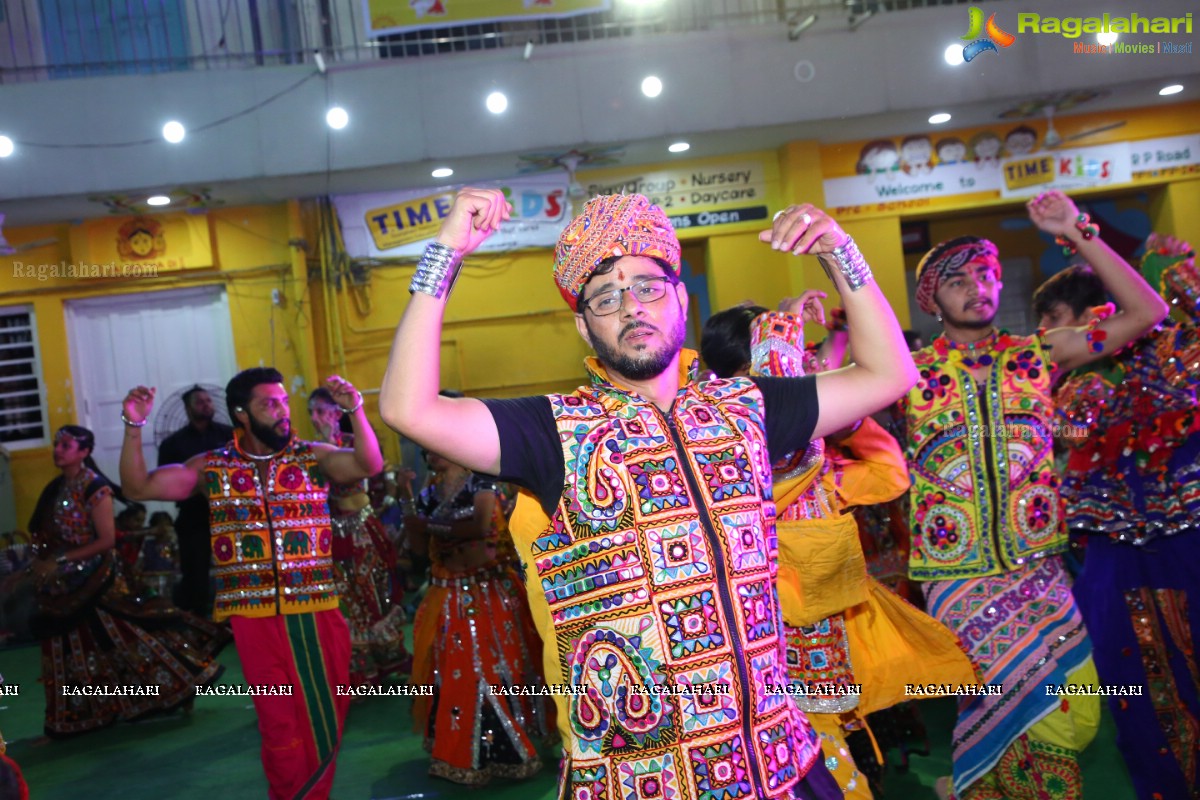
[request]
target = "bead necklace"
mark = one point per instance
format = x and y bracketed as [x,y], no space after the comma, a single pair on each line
[976,358]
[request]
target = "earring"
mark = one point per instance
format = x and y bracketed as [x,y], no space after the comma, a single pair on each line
[939,318]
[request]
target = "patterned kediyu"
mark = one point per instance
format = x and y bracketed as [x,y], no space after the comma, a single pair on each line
[658,568]
[272,557]
[982,504]
[987,534]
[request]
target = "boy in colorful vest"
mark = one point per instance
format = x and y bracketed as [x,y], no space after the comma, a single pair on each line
[646,526]
[988,530]
[271,548]
[1132,492]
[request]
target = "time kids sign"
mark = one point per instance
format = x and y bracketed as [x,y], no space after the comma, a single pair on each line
[398,224]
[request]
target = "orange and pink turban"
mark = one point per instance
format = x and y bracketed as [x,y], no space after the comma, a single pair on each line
[611,225]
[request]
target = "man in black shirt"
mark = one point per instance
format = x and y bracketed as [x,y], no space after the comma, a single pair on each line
[649,550]
[200,435]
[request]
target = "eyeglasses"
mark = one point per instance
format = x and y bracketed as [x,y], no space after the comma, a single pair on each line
[604,303]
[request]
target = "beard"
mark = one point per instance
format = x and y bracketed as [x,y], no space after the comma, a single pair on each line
[645,365]
[971,324]
[269,435]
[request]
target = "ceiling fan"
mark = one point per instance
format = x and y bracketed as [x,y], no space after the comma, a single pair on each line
[1054,139]
[7,249]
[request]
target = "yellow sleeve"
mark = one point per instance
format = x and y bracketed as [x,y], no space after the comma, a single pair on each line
[871,468]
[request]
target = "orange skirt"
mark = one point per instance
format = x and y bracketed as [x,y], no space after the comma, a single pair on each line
[473,632]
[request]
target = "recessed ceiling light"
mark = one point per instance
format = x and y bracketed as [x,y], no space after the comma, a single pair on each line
[939,118]
[954,55]
[497,102]
[679,147]
[1106,37]
[6,147]
[442,172]
[158,200]
[174,132]
[1174,88]
[337,118]
[651,86]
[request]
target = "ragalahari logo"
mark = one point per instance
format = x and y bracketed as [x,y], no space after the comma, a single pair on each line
[995,36]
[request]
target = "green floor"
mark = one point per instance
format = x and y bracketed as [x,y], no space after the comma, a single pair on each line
[213,753]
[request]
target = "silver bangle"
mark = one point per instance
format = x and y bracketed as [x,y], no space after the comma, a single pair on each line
[851,264]
[131,423]
[357,407]
[437,271]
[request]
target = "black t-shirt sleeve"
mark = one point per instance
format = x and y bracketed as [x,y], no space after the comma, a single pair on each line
[791,411]
[167,453]
[530,453]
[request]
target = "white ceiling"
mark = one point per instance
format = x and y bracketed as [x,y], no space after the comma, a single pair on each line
[883,79]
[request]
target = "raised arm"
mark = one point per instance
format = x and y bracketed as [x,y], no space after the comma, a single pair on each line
[461,429]
[1141,308]
[876,471]
[832,351]
[345,465]
[168,482]
[884,368]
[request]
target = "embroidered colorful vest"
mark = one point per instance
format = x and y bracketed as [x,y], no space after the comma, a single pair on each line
[985,496]
[271,545]
[1132,431]
[654,578]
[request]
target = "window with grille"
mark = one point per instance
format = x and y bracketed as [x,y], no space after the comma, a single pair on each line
[22,406]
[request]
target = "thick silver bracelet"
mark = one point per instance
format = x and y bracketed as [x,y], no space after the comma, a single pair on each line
[131,424]
[436,271]
[851,264]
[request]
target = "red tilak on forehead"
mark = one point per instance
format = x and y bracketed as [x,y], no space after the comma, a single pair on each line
[620,274]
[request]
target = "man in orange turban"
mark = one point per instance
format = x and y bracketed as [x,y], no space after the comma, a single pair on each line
[646,527]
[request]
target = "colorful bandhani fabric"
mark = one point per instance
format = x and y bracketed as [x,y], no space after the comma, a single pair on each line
[611,225]
[945,258]
[1022,630]
[1132,486]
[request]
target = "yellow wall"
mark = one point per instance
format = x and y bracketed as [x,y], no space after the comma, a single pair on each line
[508,331]
[740,268]
[1177,208]
[252,258]
[878,238]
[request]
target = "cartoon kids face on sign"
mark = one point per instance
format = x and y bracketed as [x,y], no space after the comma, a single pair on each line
[1021,141]
[951,151]
[878,156]
[917,154]
[140,239]
[986,147]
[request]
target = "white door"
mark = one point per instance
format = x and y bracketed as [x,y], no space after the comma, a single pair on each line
[169,340]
